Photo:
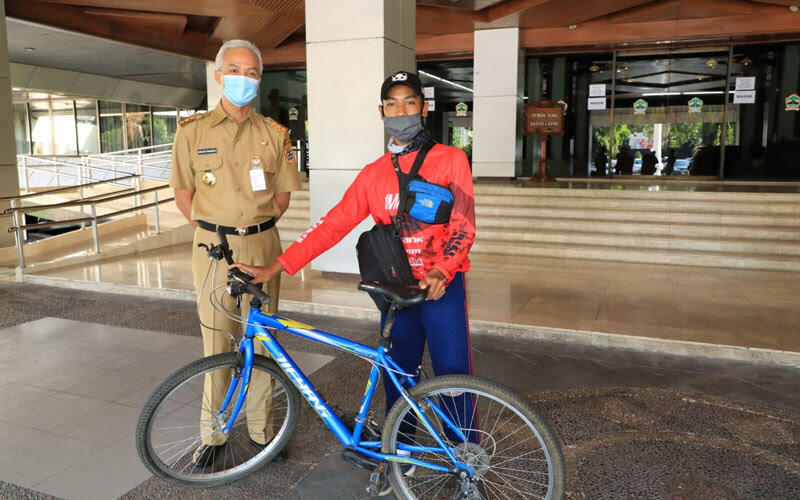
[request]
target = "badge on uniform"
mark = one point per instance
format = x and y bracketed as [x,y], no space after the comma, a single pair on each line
[209,179]
[207,151]
[289,153]
[257,180]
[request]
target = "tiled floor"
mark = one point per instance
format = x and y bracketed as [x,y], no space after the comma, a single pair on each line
[718,306]
[71,394]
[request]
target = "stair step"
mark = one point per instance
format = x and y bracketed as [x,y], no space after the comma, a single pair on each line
[664,205]
[643,216]
[644,194]
[623,254]
[643,228]
[644,243]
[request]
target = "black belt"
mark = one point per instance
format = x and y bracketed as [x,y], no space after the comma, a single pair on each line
[240,231]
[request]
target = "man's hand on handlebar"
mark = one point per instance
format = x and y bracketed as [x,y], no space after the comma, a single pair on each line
[260,274]
[434,282]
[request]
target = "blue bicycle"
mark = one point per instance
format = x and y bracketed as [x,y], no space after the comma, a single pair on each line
[449,437]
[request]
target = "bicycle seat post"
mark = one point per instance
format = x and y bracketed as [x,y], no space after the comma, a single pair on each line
[386,333]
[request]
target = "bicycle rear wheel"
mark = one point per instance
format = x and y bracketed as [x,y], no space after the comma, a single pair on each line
[509,446]
[169,434]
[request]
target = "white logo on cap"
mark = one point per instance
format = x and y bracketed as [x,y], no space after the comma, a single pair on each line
[400,77]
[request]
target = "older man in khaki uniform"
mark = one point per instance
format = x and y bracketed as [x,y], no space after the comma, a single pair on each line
[234,169]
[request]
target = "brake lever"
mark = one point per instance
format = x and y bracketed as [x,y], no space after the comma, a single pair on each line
[214,251]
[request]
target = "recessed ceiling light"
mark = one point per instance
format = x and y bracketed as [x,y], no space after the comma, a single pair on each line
[573,26]
[711,63]
[30,49]
[746,61]
[594,68]
[794,8]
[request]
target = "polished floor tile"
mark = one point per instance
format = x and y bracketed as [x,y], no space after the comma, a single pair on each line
[709,305]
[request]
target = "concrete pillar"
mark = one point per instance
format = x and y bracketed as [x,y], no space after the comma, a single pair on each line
[497,102]
[351,47]
[9,180]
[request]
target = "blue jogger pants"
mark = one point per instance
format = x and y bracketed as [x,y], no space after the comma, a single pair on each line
[444,325]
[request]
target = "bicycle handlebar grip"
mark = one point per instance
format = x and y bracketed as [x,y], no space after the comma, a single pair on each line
[226,251]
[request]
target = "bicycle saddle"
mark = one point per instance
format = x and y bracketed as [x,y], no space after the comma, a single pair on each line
[401,296]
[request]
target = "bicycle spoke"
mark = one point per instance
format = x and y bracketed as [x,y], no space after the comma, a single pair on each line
[507,456]
[185,419]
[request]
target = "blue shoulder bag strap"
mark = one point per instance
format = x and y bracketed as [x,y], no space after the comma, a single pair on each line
[404,179]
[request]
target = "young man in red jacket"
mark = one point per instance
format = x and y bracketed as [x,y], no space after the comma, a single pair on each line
[437,253]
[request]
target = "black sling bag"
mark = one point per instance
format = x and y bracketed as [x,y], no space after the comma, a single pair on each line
[381,256]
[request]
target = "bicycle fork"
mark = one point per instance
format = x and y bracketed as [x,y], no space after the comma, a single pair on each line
[241,376]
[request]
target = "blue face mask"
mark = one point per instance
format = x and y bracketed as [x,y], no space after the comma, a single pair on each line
[239,89]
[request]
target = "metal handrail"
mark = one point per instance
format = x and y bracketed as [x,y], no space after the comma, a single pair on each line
[98,198]
[66,188]
[133,150]
[123,162]
[12,229]
[19,230]
[44,166]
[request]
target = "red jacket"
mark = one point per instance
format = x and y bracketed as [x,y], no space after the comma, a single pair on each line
[375,192]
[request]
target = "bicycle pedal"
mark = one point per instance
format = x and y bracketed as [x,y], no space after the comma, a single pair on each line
[377,481]
[361,461]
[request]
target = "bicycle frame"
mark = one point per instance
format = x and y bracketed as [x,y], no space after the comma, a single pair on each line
[257,329]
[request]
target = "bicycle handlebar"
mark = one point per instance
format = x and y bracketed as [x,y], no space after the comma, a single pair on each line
[238,274]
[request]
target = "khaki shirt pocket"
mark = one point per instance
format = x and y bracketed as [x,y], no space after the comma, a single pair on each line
[208,173]
[270,166]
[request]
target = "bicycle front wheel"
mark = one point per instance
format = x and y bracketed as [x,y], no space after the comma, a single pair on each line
[181,432]
[511,449]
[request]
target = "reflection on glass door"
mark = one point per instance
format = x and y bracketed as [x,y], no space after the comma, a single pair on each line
[460,132]
[668,114]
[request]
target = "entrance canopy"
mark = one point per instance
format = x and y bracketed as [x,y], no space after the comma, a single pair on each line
[444,28]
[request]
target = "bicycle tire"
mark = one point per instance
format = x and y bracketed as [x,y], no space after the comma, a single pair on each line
[176,380]
[453,385]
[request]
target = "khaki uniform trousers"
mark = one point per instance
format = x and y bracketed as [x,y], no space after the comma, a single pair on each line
[258,249]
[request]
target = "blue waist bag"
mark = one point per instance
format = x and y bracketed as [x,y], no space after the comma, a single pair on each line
[429,203]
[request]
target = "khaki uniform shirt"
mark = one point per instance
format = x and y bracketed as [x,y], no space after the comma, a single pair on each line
[233,169]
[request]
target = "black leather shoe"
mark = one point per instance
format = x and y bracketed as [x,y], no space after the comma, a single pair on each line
[204,456]
[279,458]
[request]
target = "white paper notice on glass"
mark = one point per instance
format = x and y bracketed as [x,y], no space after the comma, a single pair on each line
[597,90]
[428,91]
[257,180]
[746,83]
[744,96]
[431,105]
[597,103]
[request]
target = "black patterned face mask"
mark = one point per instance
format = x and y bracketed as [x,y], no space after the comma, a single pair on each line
[422,137]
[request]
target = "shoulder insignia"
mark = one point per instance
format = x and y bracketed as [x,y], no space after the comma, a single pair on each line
[191,118]
[277,125]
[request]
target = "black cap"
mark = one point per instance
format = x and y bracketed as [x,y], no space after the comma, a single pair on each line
[410,80]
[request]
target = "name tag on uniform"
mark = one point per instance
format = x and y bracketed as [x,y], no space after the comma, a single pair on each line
[207,151]
[257,180]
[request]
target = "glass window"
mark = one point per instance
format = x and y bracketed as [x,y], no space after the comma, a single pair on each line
[64,141]
[41,128]
[165,123]
[21,132]
[110,126]
[87,127]
[138,126]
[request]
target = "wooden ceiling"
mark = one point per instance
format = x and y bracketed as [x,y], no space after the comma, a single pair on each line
[445,28]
